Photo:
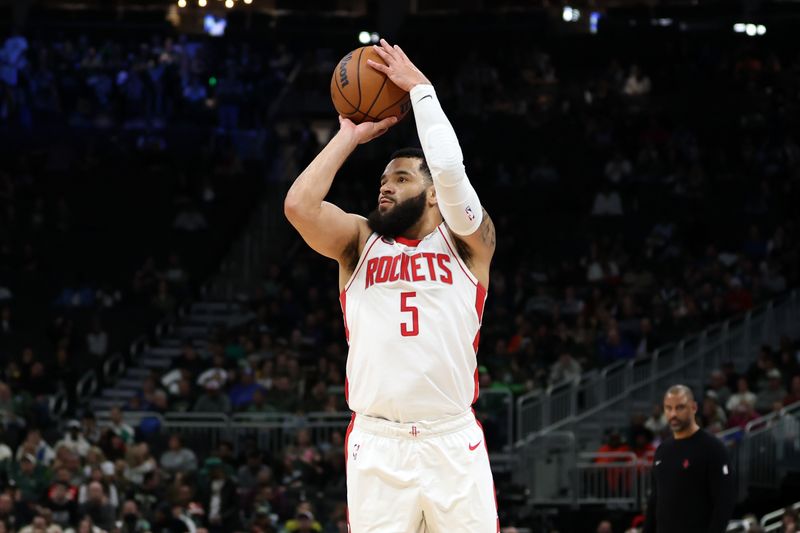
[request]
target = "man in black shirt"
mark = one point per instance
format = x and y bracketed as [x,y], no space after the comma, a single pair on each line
[692,483]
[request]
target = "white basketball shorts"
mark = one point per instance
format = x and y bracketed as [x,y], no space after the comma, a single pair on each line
[431,477]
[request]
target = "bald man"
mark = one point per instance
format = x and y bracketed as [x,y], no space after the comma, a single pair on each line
[692,484]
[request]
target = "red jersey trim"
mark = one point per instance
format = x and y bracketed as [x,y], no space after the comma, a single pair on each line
[408,242]
[464,269]
[494,488]
[343,302]
[346,453]
[361,260]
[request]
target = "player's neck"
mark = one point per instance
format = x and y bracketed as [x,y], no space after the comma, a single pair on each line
[686,433]
[424,227]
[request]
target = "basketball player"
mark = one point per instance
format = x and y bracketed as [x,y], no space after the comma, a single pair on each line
[413,279]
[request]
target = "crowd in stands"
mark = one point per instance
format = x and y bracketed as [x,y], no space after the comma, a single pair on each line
[85,82]
[625,219]
[107,478]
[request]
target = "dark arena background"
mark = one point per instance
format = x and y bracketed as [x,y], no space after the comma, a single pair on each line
[172,353]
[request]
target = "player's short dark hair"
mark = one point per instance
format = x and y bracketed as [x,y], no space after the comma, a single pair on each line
[415,153]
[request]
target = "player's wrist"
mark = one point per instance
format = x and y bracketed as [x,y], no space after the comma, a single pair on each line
[421,88]
[347,138]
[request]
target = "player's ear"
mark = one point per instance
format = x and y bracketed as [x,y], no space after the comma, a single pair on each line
[431,195]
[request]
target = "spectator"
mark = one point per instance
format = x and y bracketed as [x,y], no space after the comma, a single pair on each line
[618,168]
[607,202]
[178,459]
[100,474]
[242,393]
[718,384]
[252,473]
[604,527]
[794,392]
[97,507]
[656,422]
[742,395]
[713,416]
[614,347]
[647,339]
[36,445]
[132,519]
[30,478]
[565,369]
[119,428]
[163,301]
[742,414]
[8,513]
[283,397]
[636,84]
[615,477]
[74,439]
[97,340]
[40,525]
[149,494]
[774,393]
[89,428]
[303,522]
[218,496]
[190,360]
[64,509]
[139,462]
[213,401]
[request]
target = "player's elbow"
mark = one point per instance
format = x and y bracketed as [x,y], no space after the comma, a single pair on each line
[293,208]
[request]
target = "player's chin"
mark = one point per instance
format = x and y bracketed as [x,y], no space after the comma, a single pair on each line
[383,207]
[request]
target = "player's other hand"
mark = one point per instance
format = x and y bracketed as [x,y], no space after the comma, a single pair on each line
[366,131]
[398,67]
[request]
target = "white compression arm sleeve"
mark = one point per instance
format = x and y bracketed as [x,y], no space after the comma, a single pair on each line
[457,199]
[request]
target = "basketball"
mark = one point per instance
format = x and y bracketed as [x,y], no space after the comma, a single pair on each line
[361,93]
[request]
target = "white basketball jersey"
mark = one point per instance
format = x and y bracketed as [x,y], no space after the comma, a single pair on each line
[412,313]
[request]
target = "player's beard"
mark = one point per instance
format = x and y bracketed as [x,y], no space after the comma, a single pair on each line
[399,218]
[680,425]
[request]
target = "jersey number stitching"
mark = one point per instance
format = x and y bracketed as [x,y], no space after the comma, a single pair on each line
[405,331]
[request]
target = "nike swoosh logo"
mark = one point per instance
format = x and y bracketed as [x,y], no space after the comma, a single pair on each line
[418,101]
[658,463]
[472,448]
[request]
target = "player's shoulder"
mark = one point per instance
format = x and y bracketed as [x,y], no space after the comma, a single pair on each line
[714,443]
[355,248]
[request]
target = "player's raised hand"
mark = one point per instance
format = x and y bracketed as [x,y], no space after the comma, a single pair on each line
[366,131]
[398,67]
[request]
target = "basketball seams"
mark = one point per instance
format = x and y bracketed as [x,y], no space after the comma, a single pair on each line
[358,76]
[377,95]
[341,92]
[388,107]
[355,113]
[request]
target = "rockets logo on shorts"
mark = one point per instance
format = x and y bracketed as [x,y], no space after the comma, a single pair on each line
[412,313]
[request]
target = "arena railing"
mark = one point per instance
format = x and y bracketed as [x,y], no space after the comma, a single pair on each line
[774,521]
[273,431]
[613,388]
[769,450]
[556,472]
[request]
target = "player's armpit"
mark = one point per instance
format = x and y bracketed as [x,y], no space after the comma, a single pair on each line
[483,241]
[328,230]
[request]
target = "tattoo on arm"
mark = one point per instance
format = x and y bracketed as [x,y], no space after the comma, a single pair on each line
[487,230]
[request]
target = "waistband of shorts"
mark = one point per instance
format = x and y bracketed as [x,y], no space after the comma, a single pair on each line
[414,430]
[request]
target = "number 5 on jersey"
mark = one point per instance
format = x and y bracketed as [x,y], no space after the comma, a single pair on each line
[412,329]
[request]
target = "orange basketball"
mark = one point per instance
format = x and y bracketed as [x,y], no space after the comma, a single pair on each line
[361,93]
